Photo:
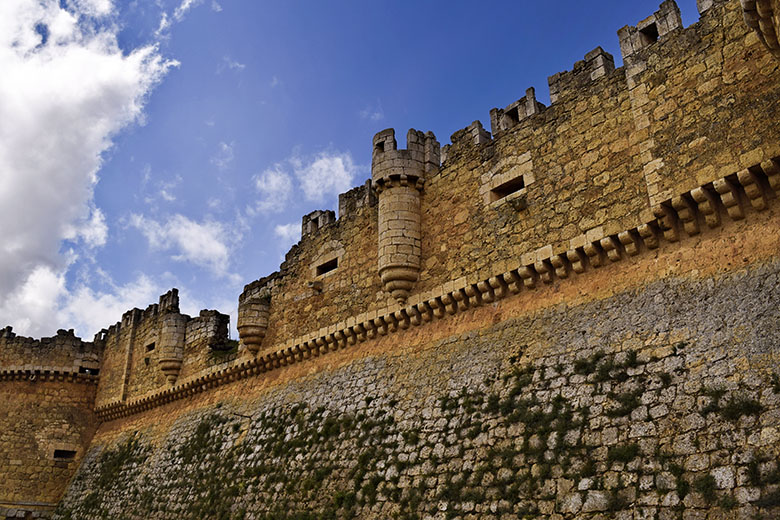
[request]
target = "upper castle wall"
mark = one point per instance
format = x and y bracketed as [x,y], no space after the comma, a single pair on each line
[149,348]
[686,129]
[612,163]
[64,354]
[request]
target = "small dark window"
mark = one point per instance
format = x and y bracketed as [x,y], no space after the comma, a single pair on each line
[64,454]
[649,34]
[380,146]
[512,117]
[328,266]
[150,347]
[507,188]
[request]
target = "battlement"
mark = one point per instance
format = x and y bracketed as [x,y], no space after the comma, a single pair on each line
[658,25]
[63,353]
[422,155]
[512,115]
[597,63]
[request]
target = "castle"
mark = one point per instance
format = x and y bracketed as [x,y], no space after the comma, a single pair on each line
[573,315]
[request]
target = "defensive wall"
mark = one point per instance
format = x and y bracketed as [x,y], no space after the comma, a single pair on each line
[572,315]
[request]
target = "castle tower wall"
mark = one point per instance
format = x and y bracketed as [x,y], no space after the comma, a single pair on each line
[47,419]
[172,332]
[399,176]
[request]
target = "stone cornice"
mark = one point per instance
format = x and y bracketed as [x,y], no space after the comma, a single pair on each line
[34,373]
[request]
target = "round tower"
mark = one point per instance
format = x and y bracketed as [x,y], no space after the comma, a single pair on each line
[398,177]
[172,332]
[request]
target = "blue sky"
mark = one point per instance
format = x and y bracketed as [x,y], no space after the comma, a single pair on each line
[151,144]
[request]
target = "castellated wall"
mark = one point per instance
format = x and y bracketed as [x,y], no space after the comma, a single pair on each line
[573,315]
[47,419]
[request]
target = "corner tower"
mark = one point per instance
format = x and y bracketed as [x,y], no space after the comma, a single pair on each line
[398,176]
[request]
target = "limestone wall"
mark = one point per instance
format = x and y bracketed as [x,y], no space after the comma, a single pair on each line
[139,346]
[46,425]
[607,396]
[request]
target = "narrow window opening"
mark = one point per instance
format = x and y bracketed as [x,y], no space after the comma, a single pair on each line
[507,189]
[380,146]
[649,34]
[511,118]
[64,454]
[146,361]
[150,347]
[89,371]
[327,267]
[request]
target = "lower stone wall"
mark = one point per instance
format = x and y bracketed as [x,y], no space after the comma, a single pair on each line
[45,429]
[662,401]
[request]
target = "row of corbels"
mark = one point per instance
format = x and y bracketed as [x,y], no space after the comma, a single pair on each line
[47,374]
[728,195]
[385,183]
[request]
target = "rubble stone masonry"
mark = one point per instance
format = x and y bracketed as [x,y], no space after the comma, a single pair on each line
[574,317]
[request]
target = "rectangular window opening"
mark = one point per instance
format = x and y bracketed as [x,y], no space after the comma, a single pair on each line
[649,34]
[64,454]
[327,267]
[507,189]
[511,117]
[150,347]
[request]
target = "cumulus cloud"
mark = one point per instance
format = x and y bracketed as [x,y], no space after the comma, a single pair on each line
[274,187]
[66,89]
[288,233]
[204,244]
[328,174]
[319,177]
[93,232]
[45,298]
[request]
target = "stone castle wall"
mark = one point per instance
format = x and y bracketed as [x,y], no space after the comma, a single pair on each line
[570,316]
[47,419]
[609,396]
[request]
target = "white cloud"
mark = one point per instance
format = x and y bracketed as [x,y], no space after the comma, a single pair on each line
[215,6]
[288,233]
[275,188]
[230,63]
[66,89]
[327,175]
[373,113]
[45,299]
[204,244]
[185,6]
[177,16]
[94,8]
[224,156]
[93,232]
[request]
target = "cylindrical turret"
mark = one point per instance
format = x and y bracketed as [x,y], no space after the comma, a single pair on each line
[398,176]
[254,306]
[174,328]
